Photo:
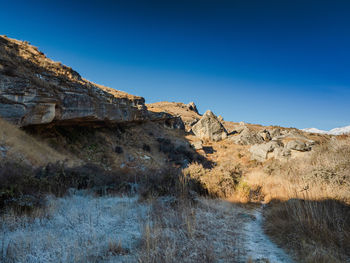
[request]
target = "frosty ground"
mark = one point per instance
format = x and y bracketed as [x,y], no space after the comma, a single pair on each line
[82,227]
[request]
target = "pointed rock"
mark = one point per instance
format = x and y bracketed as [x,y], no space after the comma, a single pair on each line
[209,128]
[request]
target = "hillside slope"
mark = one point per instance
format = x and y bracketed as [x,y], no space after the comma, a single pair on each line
[36,90]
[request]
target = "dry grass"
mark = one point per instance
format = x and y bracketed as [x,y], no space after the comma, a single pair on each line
[117,93]
[225,178]
[179,231]
[312,215]
[317,231]
[218,182]
[23,147]
[325,173]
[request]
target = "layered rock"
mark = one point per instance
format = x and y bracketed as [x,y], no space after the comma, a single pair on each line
[187,112]
[192,106]
[247,136]
[279,149]
[260,152]
[36,90]
[209,127]
[169,120]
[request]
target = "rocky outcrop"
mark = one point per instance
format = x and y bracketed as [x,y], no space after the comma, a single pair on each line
[265,135]
[36,90]
[170,121]
[278,149]
[192,107]
[187,112]
[268,143]
[247,137]
[298,145]
[275,132]
[209,128]
[260,152]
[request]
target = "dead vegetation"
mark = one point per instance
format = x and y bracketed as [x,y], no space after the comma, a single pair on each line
[315,230]
[18,146]
[181,231]
[312,215]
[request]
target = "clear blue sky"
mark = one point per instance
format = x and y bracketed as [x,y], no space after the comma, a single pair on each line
[270,62]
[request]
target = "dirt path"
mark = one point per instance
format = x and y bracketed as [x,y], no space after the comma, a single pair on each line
[258,246]
[253,244]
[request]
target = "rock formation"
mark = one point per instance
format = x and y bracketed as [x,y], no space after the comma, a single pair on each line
[209,128]
[279,149]
[198,145]
[298,145]
[36,90]
[191,106]
[260,152]
[247,136]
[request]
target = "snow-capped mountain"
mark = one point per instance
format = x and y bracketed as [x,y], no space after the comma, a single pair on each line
[314,130]
[335,131]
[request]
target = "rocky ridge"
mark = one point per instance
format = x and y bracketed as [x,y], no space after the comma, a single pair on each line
[36,90]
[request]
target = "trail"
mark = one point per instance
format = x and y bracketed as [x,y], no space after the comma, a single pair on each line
[85,228]
[257,244]
[253,243]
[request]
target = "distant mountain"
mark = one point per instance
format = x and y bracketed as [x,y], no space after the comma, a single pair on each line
[335,131]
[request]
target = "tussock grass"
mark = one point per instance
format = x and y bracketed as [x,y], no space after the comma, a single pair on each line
[317,231]
[79,228]
[220,181]
[309,211]
[178,231]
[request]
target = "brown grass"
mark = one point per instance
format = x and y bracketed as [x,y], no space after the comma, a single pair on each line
[312,215]
[325,173]
[317,231]
[23,147]
[182,231]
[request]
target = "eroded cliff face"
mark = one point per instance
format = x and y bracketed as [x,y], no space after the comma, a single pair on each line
[36,90]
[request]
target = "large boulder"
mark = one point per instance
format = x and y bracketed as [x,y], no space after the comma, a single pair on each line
[209,128]
[247,137]
[298,145]
[265,135]
[276,132]
[278,150]
[36,90]
[260,152]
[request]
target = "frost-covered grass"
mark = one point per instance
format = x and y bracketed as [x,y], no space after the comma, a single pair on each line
[82,227]
[210,231]
[76,228]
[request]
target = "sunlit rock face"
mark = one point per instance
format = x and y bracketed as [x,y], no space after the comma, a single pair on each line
[36,90]
[209,128]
